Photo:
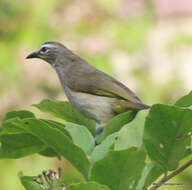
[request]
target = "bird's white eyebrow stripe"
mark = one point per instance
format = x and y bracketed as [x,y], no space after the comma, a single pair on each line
[47,45]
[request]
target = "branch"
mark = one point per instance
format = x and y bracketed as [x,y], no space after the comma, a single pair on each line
[173,174]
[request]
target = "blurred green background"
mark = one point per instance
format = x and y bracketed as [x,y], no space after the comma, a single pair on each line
[146,44]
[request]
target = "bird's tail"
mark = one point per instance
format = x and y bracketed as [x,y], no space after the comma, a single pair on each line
[134,105]
[144,106]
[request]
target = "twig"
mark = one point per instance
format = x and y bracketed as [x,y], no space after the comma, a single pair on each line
[168,177]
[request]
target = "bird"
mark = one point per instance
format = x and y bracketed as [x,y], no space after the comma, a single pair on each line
[93,93]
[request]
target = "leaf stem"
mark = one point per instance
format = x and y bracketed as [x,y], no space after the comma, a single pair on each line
[173,174]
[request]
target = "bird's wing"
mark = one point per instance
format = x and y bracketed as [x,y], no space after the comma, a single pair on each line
[99,83]
[112,86]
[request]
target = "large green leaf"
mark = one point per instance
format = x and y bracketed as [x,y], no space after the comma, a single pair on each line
[58,126]
[56,140]
[88,186]
[185,101]
[119,170]
[16,143]
[64,110]
[166,135]
[118,122]
[131,134]
[21,114]
[81,137]
[48,151]
[8,127]
[19,145]
[102,149]
[29,184]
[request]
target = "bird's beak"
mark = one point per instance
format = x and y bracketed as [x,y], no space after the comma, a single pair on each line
[32,55]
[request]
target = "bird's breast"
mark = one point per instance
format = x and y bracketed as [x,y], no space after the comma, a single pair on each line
[99,108]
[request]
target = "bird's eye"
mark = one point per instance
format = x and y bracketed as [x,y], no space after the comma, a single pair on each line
[44,50]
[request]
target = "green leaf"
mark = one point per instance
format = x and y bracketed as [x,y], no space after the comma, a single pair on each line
[49,152]
[65,111]
[19,145]
[81,137]
[131,134]
[88,186]
[29,184]
[58,126]
[21,114]
[185,101]
[9,128]
[149,174]
[102,149]
[118,122]
[167,135]
[16,143]
[56,140]
[119,169]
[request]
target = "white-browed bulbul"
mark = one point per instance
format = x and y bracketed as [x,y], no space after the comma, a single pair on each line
[92,92]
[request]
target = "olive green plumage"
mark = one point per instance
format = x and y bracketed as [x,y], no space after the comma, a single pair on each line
[92,92]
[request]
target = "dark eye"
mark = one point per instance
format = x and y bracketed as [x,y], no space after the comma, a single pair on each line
[43,50]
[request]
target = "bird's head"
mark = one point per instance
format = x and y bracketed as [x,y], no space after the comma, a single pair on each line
[49,52]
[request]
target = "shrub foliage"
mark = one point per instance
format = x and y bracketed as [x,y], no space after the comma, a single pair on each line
[130,156]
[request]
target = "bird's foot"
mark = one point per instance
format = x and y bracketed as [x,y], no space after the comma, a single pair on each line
[98,131]
[98,135]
